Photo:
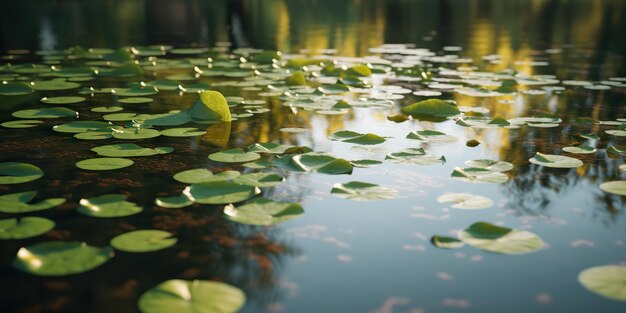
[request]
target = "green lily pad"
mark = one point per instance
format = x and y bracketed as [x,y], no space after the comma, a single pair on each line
[234,156]
[183,132]
[81,126]
[259,179]
[25,227]
[590,136]
[615,132]
[104,164]
[188,51]
[432,107]
[263,212]
[361,191]
[14,89]
[580,150]
[615,150]
[133,133]
[314,162]
[431,136]
[365,163]
[296,79]
[220,192]
[63,100]
[446,242]
[147,240]
[496,239]
[18,202]
[107,109]
[555,161]
[617,187]
[203,175]
[466,201]
[59,258]
[95,135]
[107,206]
[608,281]
[17,173]
[358,138]
[55,112]
[479,175]
[491,165]
[55,84]
[414,156]
[268,147]
[198,296]
[135,91]
[135,100]
[125,150]
[21,124]
[174,202]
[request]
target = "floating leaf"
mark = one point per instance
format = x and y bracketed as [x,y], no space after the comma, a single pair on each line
[104,164]
[106,206]
[446,242]
[203,175]
[263,212]
[198,296]
[55,112]
[220,192]
[466,201]
[234,156]
[617,187]
[18,202]
[414,156]
[14,89]
[268,147]
[431,136]
[296,79]
[590,136]
[183,132]
[21,124]
[618,133]
[135,100]
[259,179]
[432,107]
[555,161]
[363,191]
[358,138]
[59,258]
[479,175]
[25,227]
[133,133]
[615,150]
[107,109]
[129,150]
[95,135]
[580,150]
[175,202]
[314,162]
[365,163]
[608,281]
[491,165]
[17,173]
[498,239]
[63,100]
[81,126]
[55,84]
[146,240]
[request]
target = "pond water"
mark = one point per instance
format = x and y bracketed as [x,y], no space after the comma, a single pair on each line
[558,64]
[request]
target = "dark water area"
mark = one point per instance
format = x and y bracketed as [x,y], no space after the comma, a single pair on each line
[341,255]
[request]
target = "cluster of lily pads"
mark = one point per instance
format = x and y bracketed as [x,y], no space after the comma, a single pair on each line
[326,85]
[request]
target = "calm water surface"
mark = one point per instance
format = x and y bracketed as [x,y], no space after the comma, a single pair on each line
[341,255]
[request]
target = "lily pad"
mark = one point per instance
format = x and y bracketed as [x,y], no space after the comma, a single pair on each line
[183,132]
[555,161]
[466,201]
[616,132]
[147,240]
[268,147]
[107,109]
[234,156]
[104,164]
[491,165]
[358,138]
[365,163]
[203,175]
[431,136]
[615,150]
[479,175]
[608,281]
[63,100]
[107,206]
[59,258]
[18,202]
[129,150]
[314,162]
[496,239]
[259,179]
[446,242]
[54,112]
[14,89]
[580,150]
[414,156]
[133,133]
[432,107]
[135,100]
[617,187]
[175,202]
[55,84]
[220,192]
[81,126]
[198,296]
[263,212]
[21,124]
[361,191]
[17,173]
[25,227]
